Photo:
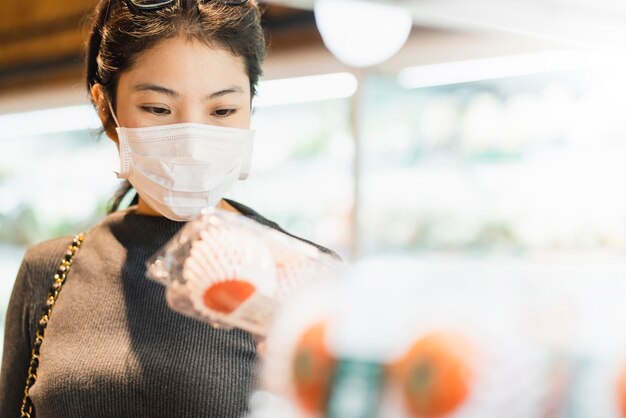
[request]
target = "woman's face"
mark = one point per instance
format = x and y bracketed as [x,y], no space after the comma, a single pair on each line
[180,81]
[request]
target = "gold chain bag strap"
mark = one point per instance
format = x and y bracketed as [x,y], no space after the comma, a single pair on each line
[57,284]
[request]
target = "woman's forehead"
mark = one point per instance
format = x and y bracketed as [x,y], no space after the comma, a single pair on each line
[188,67]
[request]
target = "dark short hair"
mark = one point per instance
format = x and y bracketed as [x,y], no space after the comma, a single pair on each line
[118,36]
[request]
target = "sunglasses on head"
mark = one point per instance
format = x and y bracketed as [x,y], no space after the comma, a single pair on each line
[149,5]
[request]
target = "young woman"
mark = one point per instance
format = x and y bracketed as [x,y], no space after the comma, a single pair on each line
[172,81]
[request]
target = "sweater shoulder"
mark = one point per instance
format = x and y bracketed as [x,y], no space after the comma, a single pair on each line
[41,260]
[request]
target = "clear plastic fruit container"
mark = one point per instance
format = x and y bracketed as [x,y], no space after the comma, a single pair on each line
[233,272]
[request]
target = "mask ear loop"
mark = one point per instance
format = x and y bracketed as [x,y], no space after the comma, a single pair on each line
[124,149]
[117,123]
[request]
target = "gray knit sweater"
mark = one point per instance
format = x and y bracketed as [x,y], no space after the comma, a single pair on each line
[113,348]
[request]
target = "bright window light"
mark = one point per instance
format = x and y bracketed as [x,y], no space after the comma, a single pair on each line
[49,121]
[499,67]
[306,89]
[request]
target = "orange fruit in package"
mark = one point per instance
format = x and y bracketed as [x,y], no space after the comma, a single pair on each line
[226,296]
[313,367]
[435,374]
[621,391]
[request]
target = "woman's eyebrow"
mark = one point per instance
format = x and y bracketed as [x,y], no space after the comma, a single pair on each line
[156,88]
[230,90]
[175,94]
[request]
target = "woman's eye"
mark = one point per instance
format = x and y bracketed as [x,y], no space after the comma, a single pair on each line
[222,113]
[158,111]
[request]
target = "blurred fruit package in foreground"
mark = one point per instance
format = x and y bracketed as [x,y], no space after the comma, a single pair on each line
[484,342]
[233,272]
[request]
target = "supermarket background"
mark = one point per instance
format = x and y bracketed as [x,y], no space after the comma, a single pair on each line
[497,132]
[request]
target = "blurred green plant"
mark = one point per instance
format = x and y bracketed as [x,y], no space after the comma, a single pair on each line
[312,148]
[4,174]
[22,227]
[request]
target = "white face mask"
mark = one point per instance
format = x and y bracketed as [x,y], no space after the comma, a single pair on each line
[181,169]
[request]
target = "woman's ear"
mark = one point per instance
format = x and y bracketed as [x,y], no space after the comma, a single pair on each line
[99,97]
